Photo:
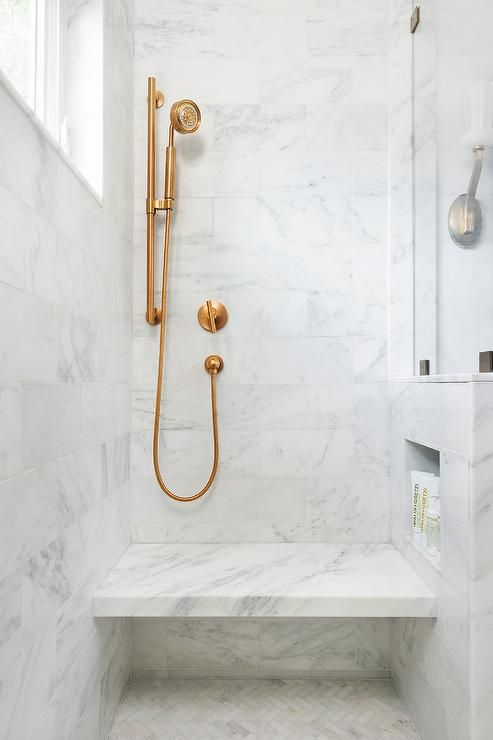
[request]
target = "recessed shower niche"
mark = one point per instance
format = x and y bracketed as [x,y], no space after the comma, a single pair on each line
[423,507]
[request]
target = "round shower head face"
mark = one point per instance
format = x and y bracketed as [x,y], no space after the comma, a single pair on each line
[185,116]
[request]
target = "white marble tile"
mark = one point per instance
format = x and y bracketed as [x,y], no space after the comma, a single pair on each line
[370,173]
[370,358]
[10,429]
[77,350]
[347,126]
[372,453]
[98,401]
[347,406]
[347,29]
[308,645]
[373,644]
[256,502]
[112,686]
[116,454]
[347,501]
[29,503]
[307,453]
[10,622]
[27,688]
[189,453]
[328,359]
[12,260]
[80,483]
[49,578]
[52,423]
[27,325]
[302,79]
[213,645]
[148,644]
[265,127]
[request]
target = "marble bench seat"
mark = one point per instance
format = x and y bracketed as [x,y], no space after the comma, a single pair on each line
[263,580]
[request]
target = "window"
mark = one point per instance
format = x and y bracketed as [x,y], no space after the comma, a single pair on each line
[32,42]
[44,53]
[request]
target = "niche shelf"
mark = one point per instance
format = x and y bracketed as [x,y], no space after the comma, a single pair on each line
[426,459]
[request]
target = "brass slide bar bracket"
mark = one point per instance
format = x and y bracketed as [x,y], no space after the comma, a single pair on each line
[155,99]
[212,316]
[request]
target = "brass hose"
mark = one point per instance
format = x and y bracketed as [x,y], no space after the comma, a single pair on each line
[213,365]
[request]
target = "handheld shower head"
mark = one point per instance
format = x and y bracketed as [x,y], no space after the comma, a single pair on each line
[185,116]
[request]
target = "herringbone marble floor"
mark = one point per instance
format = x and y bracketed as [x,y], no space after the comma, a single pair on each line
[261,709]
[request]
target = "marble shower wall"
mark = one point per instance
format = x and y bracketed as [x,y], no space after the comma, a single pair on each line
[443,668]
[65,356]
[352,648]
[431,659]
[281,214]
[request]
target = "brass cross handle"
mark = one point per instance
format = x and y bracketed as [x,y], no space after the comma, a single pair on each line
[212,316]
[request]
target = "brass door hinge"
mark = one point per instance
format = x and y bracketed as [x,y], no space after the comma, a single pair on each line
[415,18]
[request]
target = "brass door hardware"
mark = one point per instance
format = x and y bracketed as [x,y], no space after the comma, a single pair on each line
[212,316]
[185,119]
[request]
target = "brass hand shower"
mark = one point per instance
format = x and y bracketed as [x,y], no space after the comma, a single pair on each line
[185,118]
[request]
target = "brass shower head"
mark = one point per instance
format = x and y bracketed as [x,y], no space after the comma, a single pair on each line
[185,116]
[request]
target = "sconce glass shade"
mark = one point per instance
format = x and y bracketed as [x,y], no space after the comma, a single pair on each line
[479,114]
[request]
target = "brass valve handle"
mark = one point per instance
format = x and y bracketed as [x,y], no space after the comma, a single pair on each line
[212,316]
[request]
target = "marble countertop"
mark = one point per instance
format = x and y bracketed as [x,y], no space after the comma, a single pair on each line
[444,378]
[263,580]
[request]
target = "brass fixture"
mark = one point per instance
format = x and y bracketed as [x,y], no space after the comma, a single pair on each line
[212,316]
[185,118]
[213,364]
[155,99]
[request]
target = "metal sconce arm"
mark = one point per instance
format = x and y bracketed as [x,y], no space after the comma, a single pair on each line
[465,218]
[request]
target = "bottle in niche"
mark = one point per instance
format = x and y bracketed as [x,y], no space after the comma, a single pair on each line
[433,524]
[420,491]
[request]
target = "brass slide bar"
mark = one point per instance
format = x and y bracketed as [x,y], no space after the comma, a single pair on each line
[154,100]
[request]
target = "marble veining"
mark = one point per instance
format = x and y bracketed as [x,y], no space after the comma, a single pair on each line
[253,580]
[281,214]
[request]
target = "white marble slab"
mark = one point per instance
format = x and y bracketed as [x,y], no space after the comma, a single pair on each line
[263,580]
[445,378]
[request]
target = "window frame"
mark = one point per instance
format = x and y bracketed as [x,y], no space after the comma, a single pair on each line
[50,64]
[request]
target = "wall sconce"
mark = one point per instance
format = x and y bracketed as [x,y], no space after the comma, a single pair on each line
[465,218]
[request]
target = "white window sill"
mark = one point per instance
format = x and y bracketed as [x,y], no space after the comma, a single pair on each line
[15,95]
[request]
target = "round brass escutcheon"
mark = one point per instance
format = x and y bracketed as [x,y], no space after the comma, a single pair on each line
[212,316]
[213,364]
[159,99]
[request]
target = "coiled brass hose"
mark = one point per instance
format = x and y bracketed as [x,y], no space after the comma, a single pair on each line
[213,365]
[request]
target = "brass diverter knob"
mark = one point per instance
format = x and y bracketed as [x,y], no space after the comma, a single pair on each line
[212,316]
